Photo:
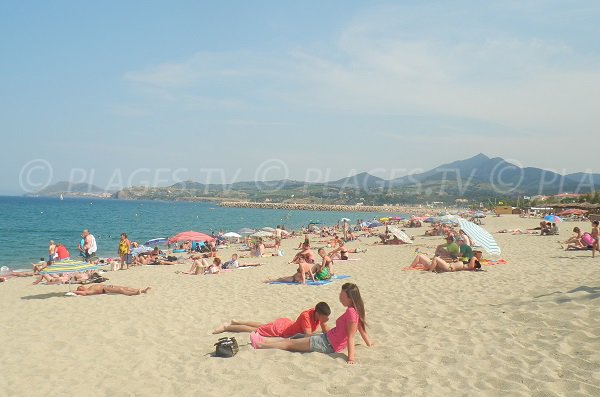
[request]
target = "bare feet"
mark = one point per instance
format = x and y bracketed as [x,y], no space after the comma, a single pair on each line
[222,328]
[145,290]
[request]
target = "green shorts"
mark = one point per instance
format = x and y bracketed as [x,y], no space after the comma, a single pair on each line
[323,274]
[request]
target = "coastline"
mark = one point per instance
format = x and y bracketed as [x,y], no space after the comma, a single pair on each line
[327,207]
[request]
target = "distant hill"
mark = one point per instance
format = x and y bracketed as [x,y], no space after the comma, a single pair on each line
[500,175]
[69,189]
[476,178]
[188,185]
[363,181]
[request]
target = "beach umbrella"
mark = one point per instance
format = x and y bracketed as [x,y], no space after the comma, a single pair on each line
[572,212]
[552,218]
[344,219]
[396,218]
[400,234]
[268,229]
[262,233]
[478,215]
[384,219]
[140,249]
[375,224]
[156,241]
[246,230]
[428,220]
[232,235]
[70,267]
[190,236]
[481,236]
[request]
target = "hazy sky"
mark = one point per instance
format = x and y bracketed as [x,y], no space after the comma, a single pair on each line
[115,92]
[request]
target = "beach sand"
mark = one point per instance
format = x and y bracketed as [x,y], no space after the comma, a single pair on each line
[529,327]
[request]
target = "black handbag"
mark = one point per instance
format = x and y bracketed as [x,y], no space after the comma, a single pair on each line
[226,347]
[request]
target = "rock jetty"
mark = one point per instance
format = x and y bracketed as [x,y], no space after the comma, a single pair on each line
[316,207]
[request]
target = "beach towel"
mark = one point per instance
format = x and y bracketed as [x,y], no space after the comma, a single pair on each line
[340,277]
[313,283]
[489,262]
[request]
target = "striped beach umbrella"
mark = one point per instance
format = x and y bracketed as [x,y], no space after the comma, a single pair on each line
[70,267]
[481,236]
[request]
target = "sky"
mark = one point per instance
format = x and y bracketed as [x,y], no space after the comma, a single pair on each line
[126,93]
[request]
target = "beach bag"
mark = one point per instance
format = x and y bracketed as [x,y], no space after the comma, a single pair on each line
[226,347]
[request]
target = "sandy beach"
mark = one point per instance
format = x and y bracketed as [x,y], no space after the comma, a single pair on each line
[530,327]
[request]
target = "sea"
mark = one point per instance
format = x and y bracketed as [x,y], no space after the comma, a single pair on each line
[27,224]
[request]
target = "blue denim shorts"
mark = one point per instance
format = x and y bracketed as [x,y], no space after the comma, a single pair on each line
[320,343]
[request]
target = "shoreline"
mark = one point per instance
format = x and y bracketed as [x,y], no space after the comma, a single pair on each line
[326,207]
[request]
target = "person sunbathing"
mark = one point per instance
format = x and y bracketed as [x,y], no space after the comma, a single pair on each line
[98,289]
[304,268]
[341,252]
[438,265]
[305,325]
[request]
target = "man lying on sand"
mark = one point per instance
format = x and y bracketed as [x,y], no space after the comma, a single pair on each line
[99,289]
[305,325]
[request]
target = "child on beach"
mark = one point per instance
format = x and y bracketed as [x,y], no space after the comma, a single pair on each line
[299,277]
[333,341]
[305,325]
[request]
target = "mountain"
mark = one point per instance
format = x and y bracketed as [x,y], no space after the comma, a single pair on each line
[501,176]
[191,185]
[363,181]
[70,189]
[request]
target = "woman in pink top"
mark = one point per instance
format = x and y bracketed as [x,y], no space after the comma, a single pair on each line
[336,339]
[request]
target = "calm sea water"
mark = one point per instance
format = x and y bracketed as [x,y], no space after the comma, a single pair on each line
[27,224]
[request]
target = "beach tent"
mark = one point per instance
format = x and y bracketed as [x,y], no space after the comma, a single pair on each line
[190,236]
[400,234]
[480,236]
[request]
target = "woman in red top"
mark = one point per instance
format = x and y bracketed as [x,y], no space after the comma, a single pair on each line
[336,339]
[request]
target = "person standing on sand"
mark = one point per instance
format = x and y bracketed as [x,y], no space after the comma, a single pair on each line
[89,247]
[124,251]
[594,234]
[51,251]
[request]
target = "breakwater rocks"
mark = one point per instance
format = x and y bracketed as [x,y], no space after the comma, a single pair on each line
[317,207]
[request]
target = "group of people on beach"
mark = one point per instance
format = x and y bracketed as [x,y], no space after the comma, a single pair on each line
[450,256]
[300,336]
